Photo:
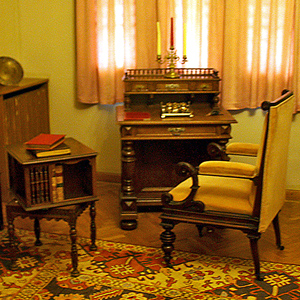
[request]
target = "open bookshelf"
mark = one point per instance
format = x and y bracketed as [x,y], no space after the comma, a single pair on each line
[40,183]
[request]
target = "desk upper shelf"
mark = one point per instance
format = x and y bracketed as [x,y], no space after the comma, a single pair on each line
[152,86]
[153,81]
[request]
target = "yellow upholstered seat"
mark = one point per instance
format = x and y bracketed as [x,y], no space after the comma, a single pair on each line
[233,194]
[224,194]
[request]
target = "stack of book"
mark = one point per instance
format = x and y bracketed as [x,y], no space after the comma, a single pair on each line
[46,144]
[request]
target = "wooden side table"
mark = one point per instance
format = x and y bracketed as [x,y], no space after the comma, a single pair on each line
[34,184]
[34,181]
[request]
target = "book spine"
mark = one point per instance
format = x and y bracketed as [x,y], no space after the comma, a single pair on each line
[39,185]
[54,188]
[46,183]
[59,182]
[32,187]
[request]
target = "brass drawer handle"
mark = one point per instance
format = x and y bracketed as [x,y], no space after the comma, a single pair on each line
[206,87]
[172,86]
[140,87]
[176,130]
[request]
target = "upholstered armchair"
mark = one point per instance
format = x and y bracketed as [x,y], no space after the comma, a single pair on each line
[236,195]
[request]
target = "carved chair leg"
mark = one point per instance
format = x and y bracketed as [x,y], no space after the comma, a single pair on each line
[254,249]
[37,231]
[74,254]
[12,244]
[168,238]
[277,232]
[93,246]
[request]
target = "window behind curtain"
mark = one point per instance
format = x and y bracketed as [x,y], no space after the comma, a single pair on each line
[250,42]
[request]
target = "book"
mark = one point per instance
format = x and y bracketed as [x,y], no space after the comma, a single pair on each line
[45,141]
[54,189]
[136,115]
[61,149]
[59,183]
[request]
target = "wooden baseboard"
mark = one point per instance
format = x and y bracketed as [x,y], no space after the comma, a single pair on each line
[108,177]
[291,195]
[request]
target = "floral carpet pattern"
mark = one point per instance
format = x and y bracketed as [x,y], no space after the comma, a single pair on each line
[130,272]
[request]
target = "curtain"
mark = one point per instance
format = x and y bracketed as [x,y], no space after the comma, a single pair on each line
[258,51]
[105,46]
[86,53]
[253,44]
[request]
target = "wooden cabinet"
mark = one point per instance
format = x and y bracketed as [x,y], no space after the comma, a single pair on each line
[152,148]
[55,181]
[24,113]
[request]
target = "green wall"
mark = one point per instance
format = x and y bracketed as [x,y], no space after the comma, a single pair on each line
[40,35]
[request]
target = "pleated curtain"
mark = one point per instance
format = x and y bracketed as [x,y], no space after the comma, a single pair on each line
[253,44]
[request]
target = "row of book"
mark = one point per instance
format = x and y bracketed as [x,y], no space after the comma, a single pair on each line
[46,144]
[40,184]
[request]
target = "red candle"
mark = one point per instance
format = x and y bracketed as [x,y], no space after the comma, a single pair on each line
[172,33]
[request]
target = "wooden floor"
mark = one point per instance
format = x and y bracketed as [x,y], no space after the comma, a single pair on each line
[221,242]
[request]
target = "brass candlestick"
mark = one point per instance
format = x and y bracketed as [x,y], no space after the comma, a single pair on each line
[171,59]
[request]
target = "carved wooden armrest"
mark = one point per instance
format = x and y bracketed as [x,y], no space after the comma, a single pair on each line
[246,149]
[185,169]
[217,152]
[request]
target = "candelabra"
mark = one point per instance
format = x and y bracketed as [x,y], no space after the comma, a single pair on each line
[171,60]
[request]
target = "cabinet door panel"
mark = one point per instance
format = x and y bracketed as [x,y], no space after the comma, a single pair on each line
[26,115]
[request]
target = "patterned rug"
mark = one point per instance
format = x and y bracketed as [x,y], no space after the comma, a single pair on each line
[130,272]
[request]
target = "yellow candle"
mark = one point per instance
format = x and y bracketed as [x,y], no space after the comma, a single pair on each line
[158,39]
[184,39]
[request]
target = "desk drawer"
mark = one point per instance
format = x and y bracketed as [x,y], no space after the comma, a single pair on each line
[175,131]
[172,86]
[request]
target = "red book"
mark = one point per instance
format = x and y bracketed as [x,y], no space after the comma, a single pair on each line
[136,115]
[45,141]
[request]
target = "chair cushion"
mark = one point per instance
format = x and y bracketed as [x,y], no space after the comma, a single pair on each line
[228,168]
[247,149]
[224,194]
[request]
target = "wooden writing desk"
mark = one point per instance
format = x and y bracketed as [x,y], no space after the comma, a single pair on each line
[152,148]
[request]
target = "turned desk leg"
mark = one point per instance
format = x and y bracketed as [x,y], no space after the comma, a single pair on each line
[93,246]
[74,254]
[128,198]
[12,243]
[37,231]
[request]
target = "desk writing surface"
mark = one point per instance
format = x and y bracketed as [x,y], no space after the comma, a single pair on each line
[201,116]
[203,125]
